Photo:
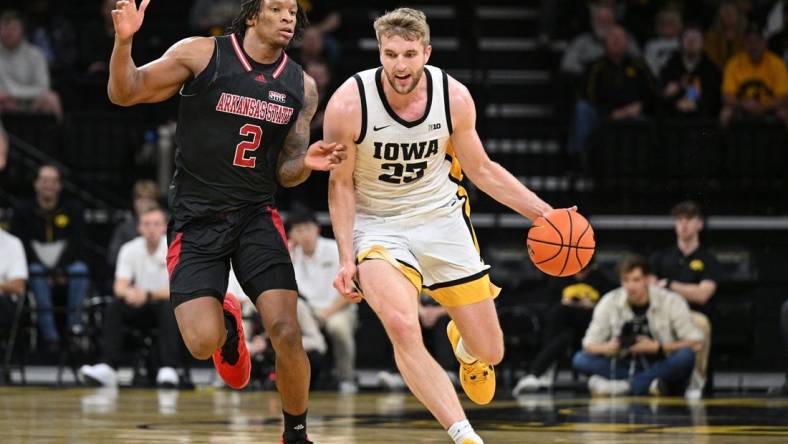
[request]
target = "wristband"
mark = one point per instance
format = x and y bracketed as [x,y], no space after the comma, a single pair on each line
[667,283]
[661,351]
[149,296]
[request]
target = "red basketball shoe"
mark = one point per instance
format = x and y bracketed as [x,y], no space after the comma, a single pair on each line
[232,359]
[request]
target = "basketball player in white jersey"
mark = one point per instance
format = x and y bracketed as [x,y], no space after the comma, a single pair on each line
[399,212]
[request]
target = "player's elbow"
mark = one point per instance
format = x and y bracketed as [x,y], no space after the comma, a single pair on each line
[119,99]
[290,183]
[293,181]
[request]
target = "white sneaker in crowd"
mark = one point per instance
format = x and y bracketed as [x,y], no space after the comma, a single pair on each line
[101,374]
[657,388]
[532,383]
[167,377]
[695,389]
[348,388]
[390,381]
[599,386]
[526,384]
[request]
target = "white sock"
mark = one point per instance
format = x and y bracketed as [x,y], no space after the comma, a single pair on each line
[463,354]
[462,430]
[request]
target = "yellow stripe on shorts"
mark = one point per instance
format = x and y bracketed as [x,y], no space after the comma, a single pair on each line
[466,291]
[380,252]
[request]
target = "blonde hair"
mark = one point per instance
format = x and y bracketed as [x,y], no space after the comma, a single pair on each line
[410,24]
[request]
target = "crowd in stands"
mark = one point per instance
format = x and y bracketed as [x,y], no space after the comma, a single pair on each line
[730,67]
[635,61]
[53,61]
[651,335]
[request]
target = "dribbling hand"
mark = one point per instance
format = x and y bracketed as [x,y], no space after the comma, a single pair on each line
[550,209]
[344,283]
[323,156]
[127,18]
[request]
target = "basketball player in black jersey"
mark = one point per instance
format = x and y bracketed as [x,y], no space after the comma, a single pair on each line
[243,125]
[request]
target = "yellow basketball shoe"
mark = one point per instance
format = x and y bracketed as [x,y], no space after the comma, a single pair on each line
[477,378]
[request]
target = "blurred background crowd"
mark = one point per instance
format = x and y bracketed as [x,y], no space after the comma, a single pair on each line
[625,108]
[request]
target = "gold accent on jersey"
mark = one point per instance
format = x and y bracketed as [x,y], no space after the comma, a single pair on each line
[456,169]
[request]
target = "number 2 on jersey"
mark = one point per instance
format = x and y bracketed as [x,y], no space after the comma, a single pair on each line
[241,149]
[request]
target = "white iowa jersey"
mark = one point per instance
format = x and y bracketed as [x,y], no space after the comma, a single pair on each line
[404,168]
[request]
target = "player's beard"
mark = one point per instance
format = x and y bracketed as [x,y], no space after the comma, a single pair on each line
[415,78]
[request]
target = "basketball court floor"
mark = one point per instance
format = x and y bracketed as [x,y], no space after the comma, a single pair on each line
[209,415]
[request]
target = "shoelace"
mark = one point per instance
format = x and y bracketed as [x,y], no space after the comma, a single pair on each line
[477,373]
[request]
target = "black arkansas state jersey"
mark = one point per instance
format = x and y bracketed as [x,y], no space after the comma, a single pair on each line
[232,120]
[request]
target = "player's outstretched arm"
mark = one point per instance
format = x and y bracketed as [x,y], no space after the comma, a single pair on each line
[297,158]
[487,175]
[160,79]
[342,124]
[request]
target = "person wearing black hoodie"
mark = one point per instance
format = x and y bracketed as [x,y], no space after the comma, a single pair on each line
[52,229]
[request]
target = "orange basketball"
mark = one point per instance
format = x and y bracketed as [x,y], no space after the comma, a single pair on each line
[562,243]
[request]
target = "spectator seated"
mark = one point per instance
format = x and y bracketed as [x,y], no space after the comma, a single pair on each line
[24,74]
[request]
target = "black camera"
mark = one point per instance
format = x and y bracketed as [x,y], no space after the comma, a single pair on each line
[631,330]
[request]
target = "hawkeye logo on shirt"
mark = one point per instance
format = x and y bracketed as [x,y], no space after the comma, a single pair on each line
[61,220]
[696,265]
[581,291]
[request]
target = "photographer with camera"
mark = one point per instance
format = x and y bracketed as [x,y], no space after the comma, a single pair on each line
[641,338]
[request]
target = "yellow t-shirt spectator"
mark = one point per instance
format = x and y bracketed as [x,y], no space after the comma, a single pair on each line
[762,82]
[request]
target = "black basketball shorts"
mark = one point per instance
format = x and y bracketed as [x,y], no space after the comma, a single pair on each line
[252,239]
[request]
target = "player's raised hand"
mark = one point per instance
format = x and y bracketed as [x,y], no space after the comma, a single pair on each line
[323,156]
[127,18]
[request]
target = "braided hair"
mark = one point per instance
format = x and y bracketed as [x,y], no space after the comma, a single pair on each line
[251,8]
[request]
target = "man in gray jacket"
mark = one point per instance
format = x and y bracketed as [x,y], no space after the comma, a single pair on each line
[641,338]
[24,74]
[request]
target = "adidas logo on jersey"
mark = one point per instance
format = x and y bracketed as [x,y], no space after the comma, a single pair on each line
[277,96]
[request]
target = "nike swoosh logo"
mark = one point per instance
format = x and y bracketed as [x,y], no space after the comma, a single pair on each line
[374,128]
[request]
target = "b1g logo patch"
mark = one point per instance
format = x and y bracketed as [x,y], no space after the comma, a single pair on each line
[277,96]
